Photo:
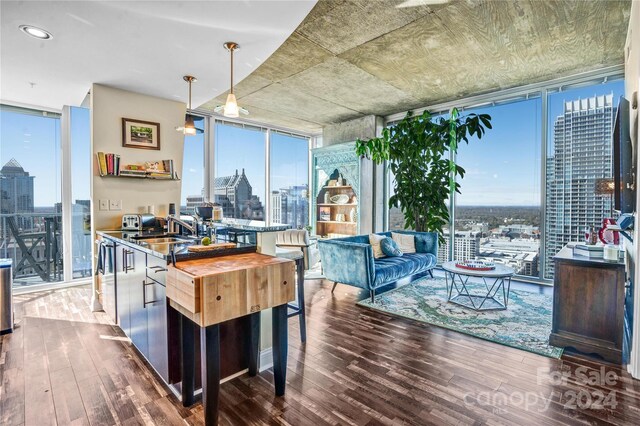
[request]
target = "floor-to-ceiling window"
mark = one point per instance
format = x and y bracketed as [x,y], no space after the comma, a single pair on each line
[530,183]
[227,164]
[239,184]
[193,169]
[497,214]
[289,179]
[80,142]
[579,153]
[30,191]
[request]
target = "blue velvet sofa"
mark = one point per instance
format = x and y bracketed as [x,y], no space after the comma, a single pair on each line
[350,261]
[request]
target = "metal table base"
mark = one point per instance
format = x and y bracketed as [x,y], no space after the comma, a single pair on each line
[464,297]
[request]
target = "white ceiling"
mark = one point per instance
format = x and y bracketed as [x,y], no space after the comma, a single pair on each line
[141,46]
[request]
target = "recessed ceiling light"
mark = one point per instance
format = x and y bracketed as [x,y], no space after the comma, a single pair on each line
[36,32]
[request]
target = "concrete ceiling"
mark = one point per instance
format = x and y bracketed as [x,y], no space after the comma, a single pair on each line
[351,58]
[141,46]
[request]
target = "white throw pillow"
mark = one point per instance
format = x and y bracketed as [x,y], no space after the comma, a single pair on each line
[406,242]
[375,241]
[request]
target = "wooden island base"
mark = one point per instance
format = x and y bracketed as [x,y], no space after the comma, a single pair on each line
[209,292]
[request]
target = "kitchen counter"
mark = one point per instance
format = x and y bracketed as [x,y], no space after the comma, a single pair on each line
[251,225]
[133,240]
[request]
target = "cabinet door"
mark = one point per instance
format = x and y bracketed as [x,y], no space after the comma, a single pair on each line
[123,259]
[157,327]
[137,306]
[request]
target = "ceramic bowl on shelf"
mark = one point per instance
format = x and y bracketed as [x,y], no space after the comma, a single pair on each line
[340,199]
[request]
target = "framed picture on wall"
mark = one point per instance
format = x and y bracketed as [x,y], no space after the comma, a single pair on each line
[140,134]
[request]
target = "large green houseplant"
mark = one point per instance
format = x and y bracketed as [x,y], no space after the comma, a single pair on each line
[418,150]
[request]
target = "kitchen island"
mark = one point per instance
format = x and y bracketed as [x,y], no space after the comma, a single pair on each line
[210,292]
[134,289]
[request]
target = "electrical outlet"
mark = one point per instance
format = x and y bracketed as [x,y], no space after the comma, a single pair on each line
[115,204]
[104,205]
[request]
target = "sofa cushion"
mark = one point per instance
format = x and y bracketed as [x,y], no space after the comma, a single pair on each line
[406,242]
[391,269]
[375,241]
[390,247]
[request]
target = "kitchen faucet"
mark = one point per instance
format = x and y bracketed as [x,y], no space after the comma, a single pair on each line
[173,220]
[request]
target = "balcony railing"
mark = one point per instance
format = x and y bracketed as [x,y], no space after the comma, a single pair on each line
[34,242]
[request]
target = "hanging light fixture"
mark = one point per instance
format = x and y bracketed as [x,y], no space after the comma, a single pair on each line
[231,108]
[190,128]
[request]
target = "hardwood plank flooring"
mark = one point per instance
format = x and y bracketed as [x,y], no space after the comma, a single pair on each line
[68,366]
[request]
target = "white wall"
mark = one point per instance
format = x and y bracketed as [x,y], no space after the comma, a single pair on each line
[632,84]
[108,107]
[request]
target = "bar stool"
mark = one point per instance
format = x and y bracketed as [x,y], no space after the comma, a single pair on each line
[296,309]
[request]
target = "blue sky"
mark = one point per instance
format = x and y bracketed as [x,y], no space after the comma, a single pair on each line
[502,169]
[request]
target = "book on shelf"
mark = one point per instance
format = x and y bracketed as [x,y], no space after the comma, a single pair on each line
[102,163]
[127,172]
[589,250]
[590,247]
[108,164]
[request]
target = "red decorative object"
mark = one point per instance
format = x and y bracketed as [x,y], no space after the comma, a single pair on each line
[607,236]
[475,266]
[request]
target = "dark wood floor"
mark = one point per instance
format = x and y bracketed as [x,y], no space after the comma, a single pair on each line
[66,365]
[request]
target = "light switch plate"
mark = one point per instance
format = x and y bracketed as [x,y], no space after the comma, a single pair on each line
[104,205]
[115,204]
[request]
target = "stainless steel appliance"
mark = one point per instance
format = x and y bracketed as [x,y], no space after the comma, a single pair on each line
[138,222]
[6,302]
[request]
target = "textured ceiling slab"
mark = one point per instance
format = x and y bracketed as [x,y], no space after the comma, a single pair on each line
[282,120]
[295,55]
[510,44]
[297,104]
[355,89]
[351,23]
[351,57]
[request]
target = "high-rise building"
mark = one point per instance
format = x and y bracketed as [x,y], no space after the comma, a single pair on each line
[235,194]
[581,155]
[466,245]
[291,205]
[16,192]
[278,206]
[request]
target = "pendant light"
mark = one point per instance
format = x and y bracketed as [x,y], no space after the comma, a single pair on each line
[190,128]
[231,108]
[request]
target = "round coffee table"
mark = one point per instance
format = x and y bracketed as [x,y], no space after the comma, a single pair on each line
[488,298]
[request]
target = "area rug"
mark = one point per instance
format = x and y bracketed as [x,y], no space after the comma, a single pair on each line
[525,325]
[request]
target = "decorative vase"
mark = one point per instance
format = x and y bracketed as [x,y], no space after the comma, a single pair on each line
[352,215]
[326,197]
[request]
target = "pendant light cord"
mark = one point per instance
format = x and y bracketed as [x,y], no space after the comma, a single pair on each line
[232,49]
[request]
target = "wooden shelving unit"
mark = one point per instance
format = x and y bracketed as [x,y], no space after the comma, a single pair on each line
[337,163]
[335,227]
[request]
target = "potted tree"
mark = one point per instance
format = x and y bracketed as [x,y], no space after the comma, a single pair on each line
[420,154]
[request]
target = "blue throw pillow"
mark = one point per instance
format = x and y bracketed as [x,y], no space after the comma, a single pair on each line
[390,247]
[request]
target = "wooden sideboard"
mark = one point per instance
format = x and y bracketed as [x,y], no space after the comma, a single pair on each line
[588,305]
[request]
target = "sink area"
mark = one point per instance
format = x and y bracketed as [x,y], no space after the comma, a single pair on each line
[166,240]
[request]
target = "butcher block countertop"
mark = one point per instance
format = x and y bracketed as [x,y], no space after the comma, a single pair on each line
[211,291]
[224,264]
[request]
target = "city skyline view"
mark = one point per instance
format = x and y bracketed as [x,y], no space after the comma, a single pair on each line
[501,188]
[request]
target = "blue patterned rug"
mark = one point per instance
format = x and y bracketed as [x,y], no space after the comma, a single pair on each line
[525,325]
